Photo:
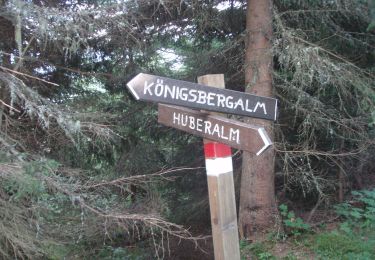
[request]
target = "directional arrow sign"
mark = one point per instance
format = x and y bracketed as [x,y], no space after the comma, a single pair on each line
[233,133]
[182,93]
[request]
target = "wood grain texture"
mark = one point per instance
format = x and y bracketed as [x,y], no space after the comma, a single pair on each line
[222,201]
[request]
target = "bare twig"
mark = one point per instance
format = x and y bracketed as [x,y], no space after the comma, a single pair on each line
[29,76]
[312,212]
[9,106]
[140,178]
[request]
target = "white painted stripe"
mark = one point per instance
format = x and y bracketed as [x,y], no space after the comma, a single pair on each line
[133,92]
[266,140]
[276,109]
[217,166]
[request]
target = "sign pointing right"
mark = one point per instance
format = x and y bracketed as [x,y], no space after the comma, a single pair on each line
[233,133]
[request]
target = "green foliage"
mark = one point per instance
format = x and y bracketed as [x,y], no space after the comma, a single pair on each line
[336,245]
[355,238]
[323,90]
[290,256]
[29,186]
[293,224]
[120,253]
[258,250]
[360,212]
[371,26]
[322,64]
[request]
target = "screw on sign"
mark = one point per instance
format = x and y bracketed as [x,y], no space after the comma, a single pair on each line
[187,94]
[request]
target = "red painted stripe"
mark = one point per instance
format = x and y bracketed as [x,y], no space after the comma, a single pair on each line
[217,150]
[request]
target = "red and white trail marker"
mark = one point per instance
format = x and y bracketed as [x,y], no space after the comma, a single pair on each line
[218,158]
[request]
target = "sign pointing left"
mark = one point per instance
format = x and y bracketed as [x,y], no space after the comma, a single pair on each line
[187,94]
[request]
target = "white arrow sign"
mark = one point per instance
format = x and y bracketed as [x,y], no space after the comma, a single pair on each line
[187,94]
[233,133]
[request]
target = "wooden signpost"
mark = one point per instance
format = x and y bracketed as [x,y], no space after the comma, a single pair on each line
[219,133]
[219,168]
[182,93]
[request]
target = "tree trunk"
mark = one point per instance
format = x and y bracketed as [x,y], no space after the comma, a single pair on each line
[18,39]
[258,212]
[341,176]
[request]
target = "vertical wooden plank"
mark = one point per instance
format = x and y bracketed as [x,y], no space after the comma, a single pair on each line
[221,190]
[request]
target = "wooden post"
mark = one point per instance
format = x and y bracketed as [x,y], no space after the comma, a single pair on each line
[221,190]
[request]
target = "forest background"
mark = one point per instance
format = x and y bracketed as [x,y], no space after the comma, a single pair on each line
[86,171]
